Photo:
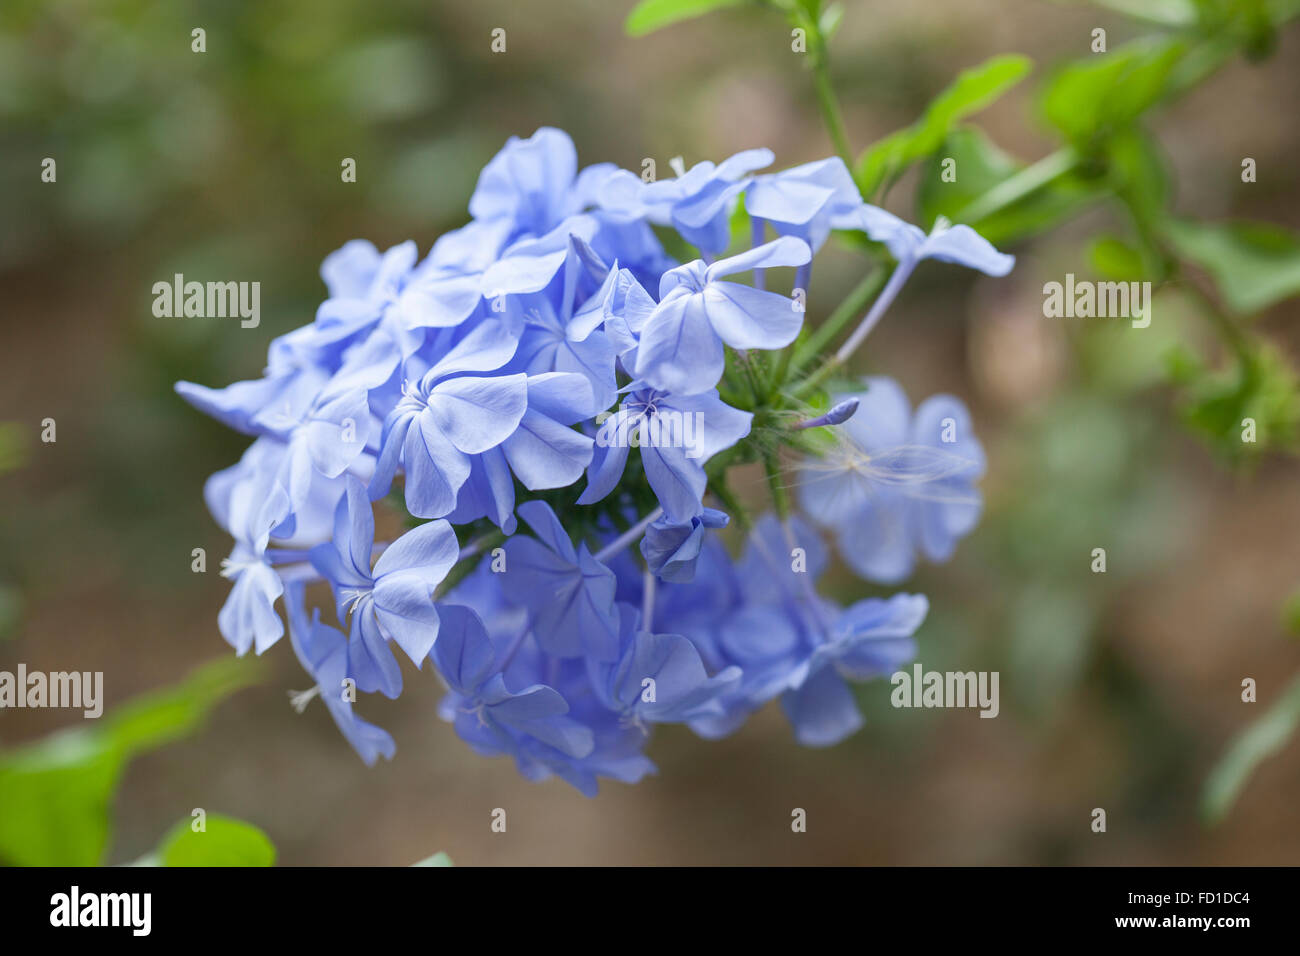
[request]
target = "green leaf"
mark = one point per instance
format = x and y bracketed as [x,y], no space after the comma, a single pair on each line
[55,793]
[1137,172]
[651,15]
[224,841]
[438,859]
[1254,265]
[1090,98]
[980,165]
[54,803]
[1268,735]
[972,91]
[1262,387]
[1116,260]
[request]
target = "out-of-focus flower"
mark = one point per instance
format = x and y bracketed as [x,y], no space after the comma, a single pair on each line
[896,483]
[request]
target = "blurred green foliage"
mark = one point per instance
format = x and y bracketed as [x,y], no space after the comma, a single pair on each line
[222,841]
[1257,742]
[969,93]
[438,859]
[1254,265]
[108,89]
[651,15]
[56,794]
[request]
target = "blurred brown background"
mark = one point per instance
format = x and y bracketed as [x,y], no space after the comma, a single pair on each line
[1118,691]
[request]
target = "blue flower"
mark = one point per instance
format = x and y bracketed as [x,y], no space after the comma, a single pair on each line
[615,750]
[529,184]
[545,291]
[908,244]
[448,417]
[568,593]
[806,201]
[251,407]
[327,441]
[672,548]
[659,678]
[616,754]
[697,202]
[895,483]
[308,522]
[250,508]
[961,245]
[872,638]
[764,616]
[486,713]
[681,346]
[543,452]
[676,434]
[323,652]
[391,602]
[620,308]
[362,285]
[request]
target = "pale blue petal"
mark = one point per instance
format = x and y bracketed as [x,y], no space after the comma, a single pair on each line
[677,481]
[785,251]
[463,653]
[966,247]
[476,414]
[608,460]
[545,454]
[679,351]
[546,526]
[435,470]
[822,710]
[430,549]
[749,318]
[406,614]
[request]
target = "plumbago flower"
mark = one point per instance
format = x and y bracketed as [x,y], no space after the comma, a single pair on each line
[681,344]
[393,601]
[894,483]
[486,399]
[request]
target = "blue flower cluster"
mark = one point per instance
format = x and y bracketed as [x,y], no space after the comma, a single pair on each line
[541,395]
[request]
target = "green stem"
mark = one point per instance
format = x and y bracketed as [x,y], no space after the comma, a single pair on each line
[819,60]
[1017,187]
[779,373]
[780,497]
[746,363]
[853,305]
[722,491]
[1228,330]
[814,381]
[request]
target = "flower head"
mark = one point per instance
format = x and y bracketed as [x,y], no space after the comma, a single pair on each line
[537,345]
